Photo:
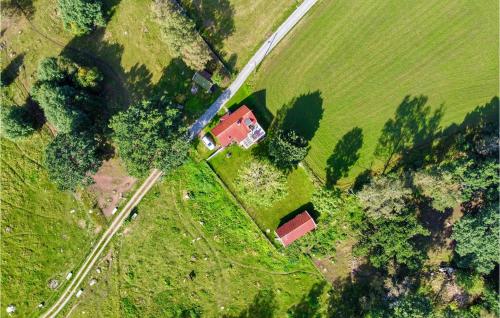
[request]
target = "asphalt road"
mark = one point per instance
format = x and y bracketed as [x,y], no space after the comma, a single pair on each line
[76,282]
[256,59]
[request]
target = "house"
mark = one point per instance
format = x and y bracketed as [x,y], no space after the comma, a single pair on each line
[240,127]
[294,229]
[204,80]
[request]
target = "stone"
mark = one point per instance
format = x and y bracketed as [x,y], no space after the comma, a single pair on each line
[53,283]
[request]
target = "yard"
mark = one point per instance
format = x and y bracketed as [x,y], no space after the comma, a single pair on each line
[348,66]
[193,250]
[46,233]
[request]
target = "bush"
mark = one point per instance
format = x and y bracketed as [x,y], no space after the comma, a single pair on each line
[287,149]
[472,283]
[261,184]
[88,77]
[81,16]
[50,70]
[15,122]
[440,187]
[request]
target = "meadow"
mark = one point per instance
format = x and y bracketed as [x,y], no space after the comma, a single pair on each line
[193,251]
[45,233]
[348,67]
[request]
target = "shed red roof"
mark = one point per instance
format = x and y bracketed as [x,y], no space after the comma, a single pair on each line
[234,127]
[297,227]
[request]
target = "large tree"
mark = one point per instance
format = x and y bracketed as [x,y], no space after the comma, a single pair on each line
[384,197]
[440,187]
[15,122]
[81,16]
[57,103]
[261,184]
[287,149]
[412,306]
[71,159]
[150,134]
[180,34]
[477,237]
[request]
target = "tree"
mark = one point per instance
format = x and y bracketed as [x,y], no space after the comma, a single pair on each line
[71,159]
[88,77]
[15,122]
[440,187]
[392,240]
[49,70]
[150,134]
[56,104]
[180,35]
[477,178]
[384,197]
[81,16]
[412,306]
[261,184]
[477,239]
[287,149]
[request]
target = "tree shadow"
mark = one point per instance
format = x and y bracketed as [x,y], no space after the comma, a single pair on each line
[410,134]
[310,304]
[12,7]
[344,156]
[436,222]
[362,179]
[483,119]
[264,305]
[214,20]
[302,115]
[109,8]
[11,71]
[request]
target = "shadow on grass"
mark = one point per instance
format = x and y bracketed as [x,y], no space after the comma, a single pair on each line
[344,156]
[109,8]
[264,305]
[413,124]
[18,7]
[310,304]
[11,71]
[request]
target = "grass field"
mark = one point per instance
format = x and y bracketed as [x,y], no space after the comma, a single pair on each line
[351,64]
[41,238]
[299,185]
[232,28]
[201,253]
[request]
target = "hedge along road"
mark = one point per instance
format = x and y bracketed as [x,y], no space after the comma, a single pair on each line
[94,255]
[256,59]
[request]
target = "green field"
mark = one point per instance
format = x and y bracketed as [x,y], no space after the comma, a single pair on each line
[300,188]
[350,64]
[201,253]
[42,239]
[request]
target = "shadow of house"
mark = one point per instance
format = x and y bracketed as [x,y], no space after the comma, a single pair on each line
[344,156]
[414,124]
[306,207]
[11,71]
[264,305]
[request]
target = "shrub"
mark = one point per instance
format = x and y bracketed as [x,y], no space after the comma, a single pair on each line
[15,122]
[81,16]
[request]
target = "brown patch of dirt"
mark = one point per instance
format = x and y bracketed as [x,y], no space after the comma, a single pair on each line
[341,265]
[111,182]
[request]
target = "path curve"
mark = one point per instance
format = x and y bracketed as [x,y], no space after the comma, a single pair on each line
[256,59]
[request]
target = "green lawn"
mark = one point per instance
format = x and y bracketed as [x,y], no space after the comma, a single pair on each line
[42,239]
[350,64]
[232,26]
[201,253]
[300,188]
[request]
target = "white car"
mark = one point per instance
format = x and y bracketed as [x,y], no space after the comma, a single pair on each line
[208,142]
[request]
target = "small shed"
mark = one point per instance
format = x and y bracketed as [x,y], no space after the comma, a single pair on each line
[294,229]
[204,80]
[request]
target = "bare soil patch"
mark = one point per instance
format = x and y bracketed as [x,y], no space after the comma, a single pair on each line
[111,183]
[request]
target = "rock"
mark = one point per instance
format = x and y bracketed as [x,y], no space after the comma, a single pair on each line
[53,283]
[41,305]
[92,282]
[8,229]
[72,211]
[98,270]
[11,309]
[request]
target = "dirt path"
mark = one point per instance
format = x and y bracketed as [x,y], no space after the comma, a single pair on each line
[96,252]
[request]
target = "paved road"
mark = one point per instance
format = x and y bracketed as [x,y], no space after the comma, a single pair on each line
[264,50]
[76,283]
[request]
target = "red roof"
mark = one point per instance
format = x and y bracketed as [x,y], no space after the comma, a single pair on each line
[234,127]
[297,227]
